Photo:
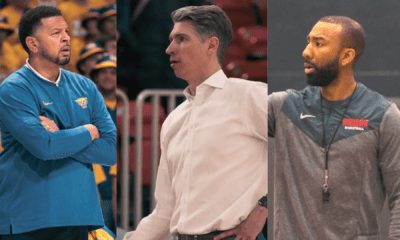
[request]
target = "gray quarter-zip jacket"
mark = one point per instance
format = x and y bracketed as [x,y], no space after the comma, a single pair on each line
[364,164]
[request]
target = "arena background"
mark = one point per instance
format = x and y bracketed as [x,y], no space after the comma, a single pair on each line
[290,21]
[142,61]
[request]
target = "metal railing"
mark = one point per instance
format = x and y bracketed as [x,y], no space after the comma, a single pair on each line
[124,110]
[155,94]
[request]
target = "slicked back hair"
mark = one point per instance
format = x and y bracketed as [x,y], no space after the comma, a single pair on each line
[32,19]
[352,35]
[208,21]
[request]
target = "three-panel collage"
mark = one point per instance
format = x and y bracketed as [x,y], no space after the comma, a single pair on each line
[223,120]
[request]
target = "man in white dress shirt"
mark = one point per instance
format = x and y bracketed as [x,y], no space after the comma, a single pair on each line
[212,178]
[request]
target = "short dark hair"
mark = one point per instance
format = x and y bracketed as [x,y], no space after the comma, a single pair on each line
[352,35]
[208,21]
[32,19]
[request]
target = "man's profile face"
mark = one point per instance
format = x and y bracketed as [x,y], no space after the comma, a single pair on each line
[322,54]
[187,52]
[106,79]
[54,41]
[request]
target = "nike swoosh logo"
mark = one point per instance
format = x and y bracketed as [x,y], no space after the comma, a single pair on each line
[45,103]
[306,116]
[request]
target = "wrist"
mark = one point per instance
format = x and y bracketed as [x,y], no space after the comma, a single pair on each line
[261,212]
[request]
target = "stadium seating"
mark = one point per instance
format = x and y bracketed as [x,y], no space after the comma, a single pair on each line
[256,70]
[246,57]
[254,40]
[241,13]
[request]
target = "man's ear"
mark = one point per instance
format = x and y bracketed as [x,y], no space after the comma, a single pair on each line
[32,44]
[213,45]
[347,56]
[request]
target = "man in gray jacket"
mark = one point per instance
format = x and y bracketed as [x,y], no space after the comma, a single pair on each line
[337,152]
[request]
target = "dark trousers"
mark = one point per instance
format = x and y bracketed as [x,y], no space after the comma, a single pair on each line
[54,233]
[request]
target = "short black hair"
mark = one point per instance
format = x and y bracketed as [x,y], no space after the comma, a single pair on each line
[352,35]
[32,19]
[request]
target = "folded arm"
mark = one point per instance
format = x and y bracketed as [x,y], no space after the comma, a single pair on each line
[102,151]
[19,115]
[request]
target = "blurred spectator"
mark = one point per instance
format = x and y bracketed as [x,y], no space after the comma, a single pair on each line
[73,11]
[109,44]
[89,23]
[13,11]
[20,54]
[88,58]
[8,59]
[104,74]
[108,21]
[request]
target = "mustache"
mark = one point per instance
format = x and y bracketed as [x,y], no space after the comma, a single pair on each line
[311,63]
[65,45]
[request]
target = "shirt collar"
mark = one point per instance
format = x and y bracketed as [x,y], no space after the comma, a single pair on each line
[40,75]
[217,80]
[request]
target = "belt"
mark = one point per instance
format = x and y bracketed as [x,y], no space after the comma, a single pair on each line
[209,236]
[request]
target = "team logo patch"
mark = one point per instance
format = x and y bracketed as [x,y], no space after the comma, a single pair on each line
[82,102]
[355,124]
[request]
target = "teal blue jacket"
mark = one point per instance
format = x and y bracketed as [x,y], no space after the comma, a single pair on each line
[46,179]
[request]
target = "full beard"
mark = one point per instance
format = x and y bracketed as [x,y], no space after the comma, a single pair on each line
[56,60]
[323,76]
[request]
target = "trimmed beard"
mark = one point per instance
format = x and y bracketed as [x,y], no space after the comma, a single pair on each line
[324,75]
[55,60]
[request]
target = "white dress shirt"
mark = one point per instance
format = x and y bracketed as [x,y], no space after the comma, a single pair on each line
[214,156]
